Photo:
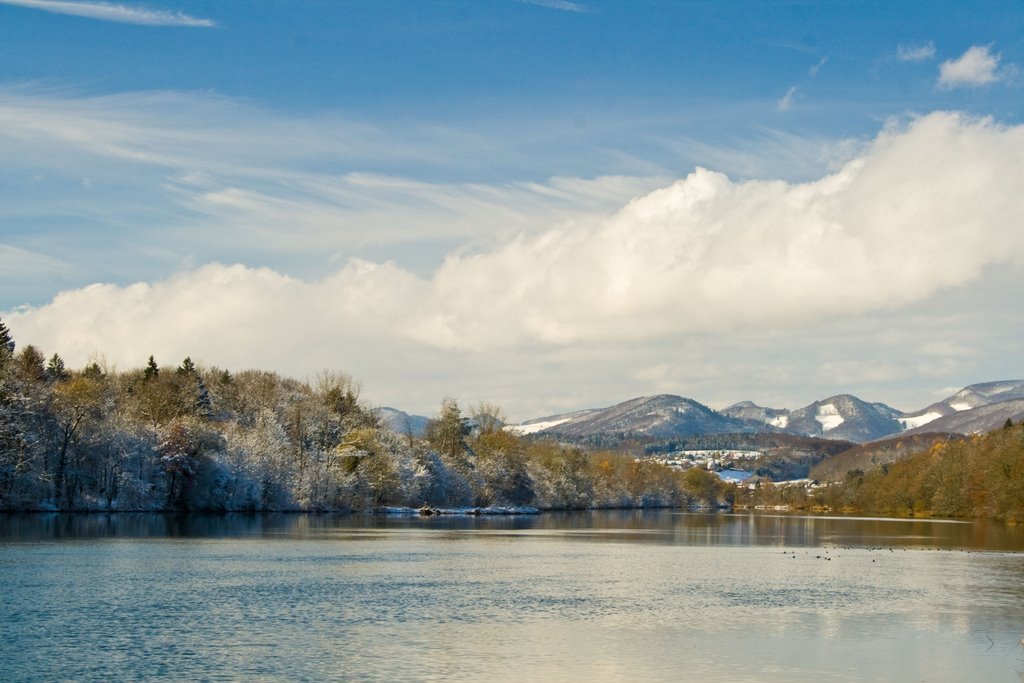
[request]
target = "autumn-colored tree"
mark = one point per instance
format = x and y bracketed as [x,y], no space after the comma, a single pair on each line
[502,462]
[30,365]
[448,431]
[702,485]
[75,402]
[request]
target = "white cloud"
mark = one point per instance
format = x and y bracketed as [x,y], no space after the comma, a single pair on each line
[19,263]
[106,11]
[772,153]
[916,53]
[974,68]
[922,210]
[813,71]
[223,177]
[786,102]
[563,5]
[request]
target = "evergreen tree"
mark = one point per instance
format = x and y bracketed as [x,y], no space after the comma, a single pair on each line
[30,364]
[203,404]
[200,404]
[187,367]
[152,370]
[93,371]
[6,343]
[55,370]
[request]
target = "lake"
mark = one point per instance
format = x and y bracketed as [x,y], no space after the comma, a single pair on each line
[590,596]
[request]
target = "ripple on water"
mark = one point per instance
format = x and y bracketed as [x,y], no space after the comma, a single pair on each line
[594,605]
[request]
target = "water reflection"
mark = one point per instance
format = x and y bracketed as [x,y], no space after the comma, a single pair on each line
[628,526]
[597,596]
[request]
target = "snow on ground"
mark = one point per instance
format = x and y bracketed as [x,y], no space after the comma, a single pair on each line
[918,420]
[535,427]
[733,475]
[782,421]
[829,417]
[471,512]
[960,405]
[722,452]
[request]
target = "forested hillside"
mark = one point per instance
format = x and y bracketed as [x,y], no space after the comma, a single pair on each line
[918,475]
[185,437]
[978,477]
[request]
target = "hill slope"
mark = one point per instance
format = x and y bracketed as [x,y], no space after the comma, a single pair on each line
[984,418]
[965,400]
[655,417]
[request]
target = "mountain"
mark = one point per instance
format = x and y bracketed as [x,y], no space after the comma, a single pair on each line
[977,420]
[976,408]
[845,417]
[965,400]
[868,456]
[652,417]
[401,422]
[748,410]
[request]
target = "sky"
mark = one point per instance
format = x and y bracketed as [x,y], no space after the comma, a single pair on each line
[543,204]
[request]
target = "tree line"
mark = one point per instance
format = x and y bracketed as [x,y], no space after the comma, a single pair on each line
[187,437]
[953,476]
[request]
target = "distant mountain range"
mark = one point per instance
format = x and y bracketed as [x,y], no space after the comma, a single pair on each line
[402,422]
[976,408]
[656,417]
[843,417]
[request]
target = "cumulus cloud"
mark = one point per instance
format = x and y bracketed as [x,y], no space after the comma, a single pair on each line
[916,53]
[974,68]
[255,316]
[924,208]
[106,11]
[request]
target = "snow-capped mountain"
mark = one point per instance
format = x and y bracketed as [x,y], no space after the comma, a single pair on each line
[663,416]
[967,399]
[845,417]
[984,418]
[973,409]
[748,410]
[976,408]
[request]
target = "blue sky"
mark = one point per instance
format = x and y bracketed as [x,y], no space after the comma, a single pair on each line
[406,165]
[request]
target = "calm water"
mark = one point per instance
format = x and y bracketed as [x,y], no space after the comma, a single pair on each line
[610,596]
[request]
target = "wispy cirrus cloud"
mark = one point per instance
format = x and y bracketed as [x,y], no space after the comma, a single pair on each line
[16,262]
[194,177]
[106,11]
[785,103]
[870,237]
[704,261]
